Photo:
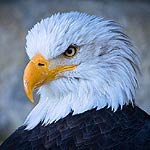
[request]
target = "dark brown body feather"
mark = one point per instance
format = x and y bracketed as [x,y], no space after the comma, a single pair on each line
[126,129]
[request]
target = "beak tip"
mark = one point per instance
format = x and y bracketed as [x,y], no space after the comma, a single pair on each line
[31,98]
[32,101]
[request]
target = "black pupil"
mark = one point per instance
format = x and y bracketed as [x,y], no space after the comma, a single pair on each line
[70,51]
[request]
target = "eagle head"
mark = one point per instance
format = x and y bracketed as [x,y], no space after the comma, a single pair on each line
[78,62]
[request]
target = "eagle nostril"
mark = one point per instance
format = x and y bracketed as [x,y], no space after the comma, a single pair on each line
[41,64]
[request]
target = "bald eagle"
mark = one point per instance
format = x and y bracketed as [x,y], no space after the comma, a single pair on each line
[86,74]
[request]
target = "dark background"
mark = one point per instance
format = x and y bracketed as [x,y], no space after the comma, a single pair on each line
[17,17]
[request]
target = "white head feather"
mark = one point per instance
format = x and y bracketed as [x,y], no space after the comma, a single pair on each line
[107,67]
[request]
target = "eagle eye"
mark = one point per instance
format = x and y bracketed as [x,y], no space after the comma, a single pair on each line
[71,51]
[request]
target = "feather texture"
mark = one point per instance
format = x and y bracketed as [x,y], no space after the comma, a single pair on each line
[107,67]
[127,129]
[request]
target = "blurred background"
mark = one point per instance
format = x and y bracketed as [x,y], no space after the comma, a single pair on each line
[18,16]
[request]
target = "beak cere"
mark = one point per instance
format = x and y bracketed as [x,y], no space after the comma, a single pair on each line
[37,73]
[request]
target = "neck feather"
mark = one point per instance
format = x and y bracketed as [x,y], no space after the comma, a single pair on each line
[80,97]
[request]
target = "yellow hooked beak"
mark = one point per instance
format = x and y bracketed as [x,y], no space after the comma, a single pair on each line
[37,73]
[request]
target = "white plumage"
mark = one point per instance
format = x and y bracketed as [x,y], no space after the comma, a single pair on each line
[107,67]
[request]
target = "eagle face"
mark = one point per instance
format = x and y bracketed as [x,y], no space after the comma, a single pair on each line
[78,62]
